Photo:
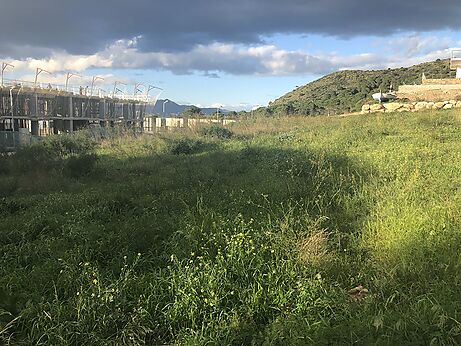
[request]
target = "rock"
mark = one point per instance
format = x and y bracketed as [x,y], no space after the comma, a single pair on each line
[448,106]
[430,105]
[421,105]
[439,105]
[408,106]
[392,106]
[376,107]
[458,104]
[365,108]
[358,293]
[453,102]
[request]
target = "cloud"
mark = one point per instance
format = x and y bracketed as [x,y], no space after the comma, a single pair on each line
[236,59]
[412,44]
[86,27]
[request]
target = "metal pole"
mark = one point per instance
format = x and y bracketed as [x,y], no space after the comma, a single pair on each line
[115,88]
[69,75]
[4,66]
[164,103]
[11,108]
[95,78]
[37,72]
[136,88]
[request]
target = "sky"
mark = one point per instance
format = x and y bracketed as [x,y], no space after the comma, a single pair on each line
[235,54]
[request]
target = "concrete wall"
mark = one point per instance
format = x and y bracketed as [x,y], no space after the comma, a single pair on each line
[152,124]
[432,92]
[445,81]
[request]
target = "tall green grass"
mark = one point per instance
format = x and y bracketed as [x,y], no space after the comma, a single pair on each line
[254,238]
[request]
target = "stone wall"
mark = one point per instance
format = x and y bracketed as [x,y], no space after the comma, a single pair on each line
[409,107]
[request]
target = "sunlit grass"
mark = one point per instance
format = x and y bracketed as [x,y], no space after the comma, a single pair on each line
[186,238]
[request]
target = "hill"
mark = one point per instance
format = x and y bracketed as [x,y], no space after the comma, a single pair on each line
[347,91]
[172,107]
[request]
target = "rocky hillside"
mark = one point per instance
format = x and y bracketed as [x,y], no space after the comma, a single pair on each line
[347,91]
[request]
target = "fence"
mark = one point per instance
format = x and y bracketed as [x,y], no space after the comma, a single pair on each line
[11,141]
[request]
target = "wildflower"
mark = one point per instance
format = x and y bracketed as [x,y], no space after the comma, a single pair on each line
[95,281]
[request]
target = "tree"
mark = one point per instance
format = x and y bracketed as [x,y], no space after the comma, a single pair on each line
[192,111]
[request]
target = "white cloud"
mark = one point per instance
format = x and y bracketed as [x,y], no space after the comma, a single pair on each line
[215,58]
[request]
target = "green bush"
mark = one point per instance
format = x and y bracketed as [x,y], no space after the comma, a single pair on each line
[185,146]
[64,145]
[4,165]
[216,131]
[36,156]
[51,153]
[80,165]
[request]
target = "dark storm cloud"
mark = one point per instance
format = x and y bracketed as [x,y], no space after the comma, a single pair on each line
[86,26]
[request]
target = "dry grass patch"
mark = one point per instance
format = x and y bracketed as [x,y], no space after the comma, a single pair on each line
[313,249]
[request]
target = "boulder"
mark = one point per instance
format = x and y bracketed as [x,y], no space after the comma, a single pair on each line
[439,105]
[421,105]
[458,104]
[448,106]
[392,106]
[376,107]
[366,109]
[410,106]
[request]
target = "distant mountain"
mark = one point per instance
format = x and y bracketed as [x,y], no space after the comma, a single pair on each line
[172,107]
[347,91]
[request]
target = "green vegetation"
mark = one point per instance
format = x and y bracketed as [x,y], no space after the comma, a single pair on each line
[192,111]
[346,91]
[183,238]
[215,130]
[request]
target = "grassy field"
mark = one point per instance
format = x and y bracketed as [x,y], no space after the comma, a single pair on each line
[257,239]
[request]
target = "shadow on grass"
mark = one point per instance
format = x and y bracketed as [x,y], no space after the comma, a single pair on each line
[170,208]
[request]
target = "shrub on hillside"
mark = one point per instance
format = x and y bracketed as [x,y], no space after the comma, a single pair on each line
[216,131]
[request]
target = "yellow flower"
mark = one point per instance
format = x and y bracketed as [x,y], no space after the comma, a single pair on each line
[95,281]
